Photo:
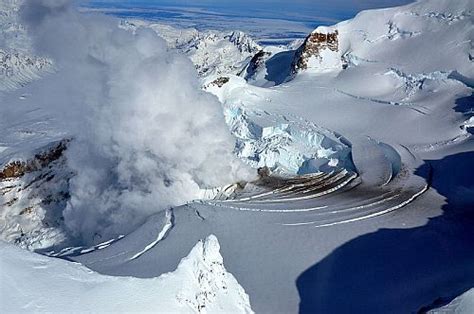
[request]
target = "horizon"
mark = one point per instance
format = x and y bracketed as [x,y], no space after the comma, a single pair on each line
[278,23]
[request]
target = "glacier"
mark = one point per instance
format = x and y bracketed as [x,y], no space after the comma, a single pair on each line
[359,140]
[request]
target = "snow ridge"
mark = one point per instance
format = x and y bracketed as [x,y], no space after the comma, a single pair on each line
[200,284]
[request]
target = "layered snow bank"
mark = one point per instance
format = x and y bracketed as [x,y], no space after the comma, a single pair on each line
[200,284]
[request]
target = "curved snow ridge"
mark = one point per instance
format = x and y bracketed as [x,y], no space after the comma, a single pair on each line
[259,190]
[272,190]
[311,200]
[168,225]
[293,210]
[78,250]
[200,284]
[317,191]
[438,145]
[393,157]
[365,216]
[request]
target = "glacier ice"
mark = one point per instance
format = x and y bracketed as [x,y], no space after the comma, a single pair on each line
[286,146]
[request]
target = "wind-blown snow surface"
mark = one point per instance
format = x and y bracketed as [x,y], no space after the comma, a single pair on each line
[200,284]
[386,227]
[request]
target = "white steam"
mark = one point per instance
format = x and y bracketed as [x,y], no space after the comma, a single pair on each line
[146,136]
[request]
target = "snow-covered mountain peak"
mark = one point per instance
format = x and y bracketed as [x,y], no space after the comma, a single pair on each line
[243,42]
[212,52]
[211,284]
[383,38]
[200,284]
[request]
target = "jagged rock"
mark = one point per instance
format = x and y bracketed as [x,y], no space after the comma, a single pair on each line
[220,81]
[317,42]
[34,193]
[16,169]
[257,61]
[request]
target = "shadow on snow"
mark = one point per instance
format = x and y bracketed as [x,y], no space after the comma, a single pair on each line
[403,270]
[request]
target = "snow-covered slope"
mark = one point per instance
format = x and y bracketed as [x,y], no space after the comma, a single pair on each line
[17,69]
[33,195]
[375,116]
[17,66]
[200,284]
[379,38]
[286,144]
[397,100]
[464,304]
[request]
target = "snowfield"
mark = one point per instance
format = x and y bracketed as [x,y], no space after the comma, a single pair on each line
[335,172]
[200,284]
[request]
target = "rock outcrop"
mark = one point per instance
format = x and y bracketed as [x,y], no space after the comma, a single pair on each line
[320,45]
[33,195]
[255,64]
[17,168]
[219,82]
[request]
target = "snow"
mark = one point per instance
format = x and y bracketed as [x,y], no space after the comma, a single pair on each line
[17,65]
[464,304]
[212,52]
[200,284]
[99,104]
[17,69]
[286,144]
[327,61]
[33,204]
[166,228]
[381,145]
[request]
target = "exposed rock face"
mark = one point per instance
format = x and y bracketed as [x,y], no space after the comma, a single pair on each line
[257,61]
[219,82]
[33,195]
[16,169]
[313,46]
